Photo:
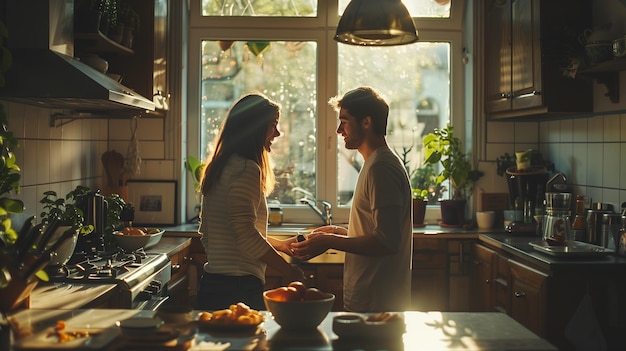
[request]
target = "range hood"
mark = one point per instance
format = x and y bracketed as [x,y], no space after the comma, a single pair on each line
[46,74]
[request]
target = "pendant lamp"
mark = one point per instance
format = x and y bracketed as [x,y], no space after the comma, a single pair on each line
[376,23]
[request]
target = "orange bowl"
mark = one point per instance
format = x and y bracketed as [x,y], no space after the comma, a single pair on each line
[298,315]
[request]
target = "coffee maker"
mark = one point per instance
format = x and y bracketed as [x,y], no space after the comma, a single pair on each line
[95,210]
[556,224]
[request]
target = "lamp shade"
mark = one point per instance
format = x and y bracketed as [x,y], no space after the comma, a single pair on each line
[376,23]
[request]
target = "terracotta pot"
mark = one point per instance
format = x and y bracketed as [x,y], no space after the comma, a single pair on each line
[419,212]
[452,213]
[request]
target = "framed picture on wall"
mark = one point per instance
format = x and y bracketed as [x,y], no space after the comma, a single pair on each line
[154,201]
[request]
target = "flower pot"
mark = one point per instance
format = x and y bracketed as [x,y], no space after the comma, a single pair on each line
[452,213]
[419,212]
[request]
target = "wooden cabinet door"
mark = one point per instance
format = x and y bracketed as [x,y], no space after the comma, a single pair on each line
[146,70]
[482,279]
[429,277]
[526,67]
[459,270]
[330,279]
[497,55]
[529,294]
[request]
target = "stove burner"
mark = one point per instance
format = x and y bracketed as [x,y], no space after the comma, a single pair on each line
[104,266]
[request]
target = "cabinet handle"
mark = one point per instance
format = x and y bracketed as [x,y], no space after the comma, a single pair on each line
[520,294]
[175,268]
[505,95]
[487,281]
[532,93]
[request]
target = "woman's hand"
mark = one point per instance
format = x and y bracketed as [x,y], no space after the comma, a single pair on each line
[314,245]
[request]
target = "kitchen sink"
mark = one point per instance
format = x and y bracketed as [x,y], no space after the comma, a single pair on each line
[290,228]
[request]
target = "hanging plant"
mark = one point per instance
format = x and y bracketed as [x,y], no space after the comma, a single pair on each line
[258,47]
[225,44]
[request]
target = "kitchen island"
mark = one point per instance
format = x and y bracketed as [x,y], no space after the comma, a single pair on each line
[431,331]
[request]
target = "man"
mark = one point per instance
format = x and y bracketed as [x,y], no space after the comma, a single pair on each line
[378,242]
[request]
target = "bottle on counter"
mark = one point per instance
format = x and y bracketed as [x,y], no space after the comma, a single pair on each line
[579,225]
[275,216]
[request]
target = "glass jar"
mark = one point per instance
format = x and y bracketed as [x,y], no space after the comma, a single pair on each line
[275,216]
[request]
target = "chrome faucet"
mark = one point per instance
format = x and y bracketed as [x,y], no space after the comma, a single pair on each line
[326,216]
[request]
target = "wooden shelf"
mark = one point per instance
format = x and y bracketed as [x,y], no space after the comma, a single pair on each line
[99,43]
[607,73]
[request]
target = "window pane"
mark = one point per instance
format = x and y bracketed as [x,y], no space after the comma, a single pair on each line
[418,8]
[260,8]
[415,81]
[287,73]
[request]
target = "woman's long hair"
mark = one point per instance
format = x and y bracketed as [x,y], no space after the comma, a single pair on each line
[244,133]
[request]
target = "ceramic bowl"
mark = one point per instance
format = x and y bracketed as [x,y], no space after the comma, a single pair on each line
[299,315]
[139,326]
[136,242]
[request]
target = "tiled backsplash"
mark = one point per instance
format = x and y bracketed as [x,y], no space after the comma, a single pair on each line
[69,154]
[590,151]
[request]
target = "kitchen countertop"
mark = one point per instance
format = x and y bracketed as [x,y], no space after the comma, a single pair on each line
[433,331]
[519,246]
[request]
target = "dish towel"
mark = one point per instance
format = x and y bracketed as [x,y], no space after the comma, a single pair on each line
[583,330]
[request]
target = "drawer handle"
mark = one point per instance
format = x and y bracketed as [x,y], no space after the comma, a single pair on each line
[520,294]
[487,281]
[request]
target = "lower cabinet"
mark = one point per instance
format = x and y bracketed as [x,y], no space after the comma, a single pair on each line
[546,300]
[505,285]
[482,279]
[441,274]
[528,297]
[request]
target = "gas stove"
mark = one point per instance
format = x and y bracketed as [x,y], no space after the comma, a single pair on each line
[141,277]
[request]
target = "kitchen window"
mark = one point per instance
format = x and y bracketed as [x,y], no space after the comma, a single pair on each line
[290,56]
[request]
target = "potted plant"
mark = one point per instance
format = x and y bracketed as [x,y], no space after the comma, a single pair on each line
[129,18]
[444,148]
[423,185]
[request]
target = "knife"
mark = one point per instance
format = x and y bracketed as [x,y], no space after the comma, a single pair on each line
[48,232]
[24,236]
[45,257]
[33,234]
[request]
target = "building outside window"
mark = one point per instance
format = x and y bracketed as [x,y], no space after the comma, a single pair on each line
[285,50]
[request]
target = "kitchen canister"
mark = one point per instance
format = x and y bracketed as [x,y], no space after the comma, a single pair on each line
[611,226]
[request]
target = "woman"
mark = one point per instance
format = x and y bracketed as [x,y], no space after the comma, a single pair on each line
[233,219]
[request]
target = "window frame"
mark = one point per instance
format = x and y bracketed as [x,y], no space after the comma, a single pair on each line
[322,31]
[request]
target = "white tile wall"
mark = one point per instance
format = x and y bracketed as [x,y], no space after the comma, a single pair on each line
[63,157]
[590,151]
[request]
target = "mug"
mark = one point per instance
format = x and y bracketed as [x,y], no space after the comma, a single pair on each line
[485,219]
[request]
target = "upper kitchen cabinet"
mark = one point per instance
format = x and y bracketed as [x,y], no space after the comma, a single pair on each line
[146,70]
[141,61]
[531,55]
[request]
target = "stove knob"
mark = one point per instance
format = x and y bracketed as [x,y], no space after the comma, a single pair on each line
[144,295]
[151,289]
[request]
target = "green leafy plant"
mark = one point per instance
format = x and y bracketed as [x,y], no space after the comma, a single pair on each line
[69,214]
[195,167]
[423,179]
[444,148]
[9,170]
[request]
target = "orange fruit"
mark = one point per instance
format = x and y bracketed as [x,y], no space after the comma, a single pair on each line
[311,294]
[278,294]
[298,286]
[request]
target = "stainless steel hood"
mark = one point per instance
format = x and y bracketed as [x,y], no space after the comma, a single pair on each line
[45,73]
